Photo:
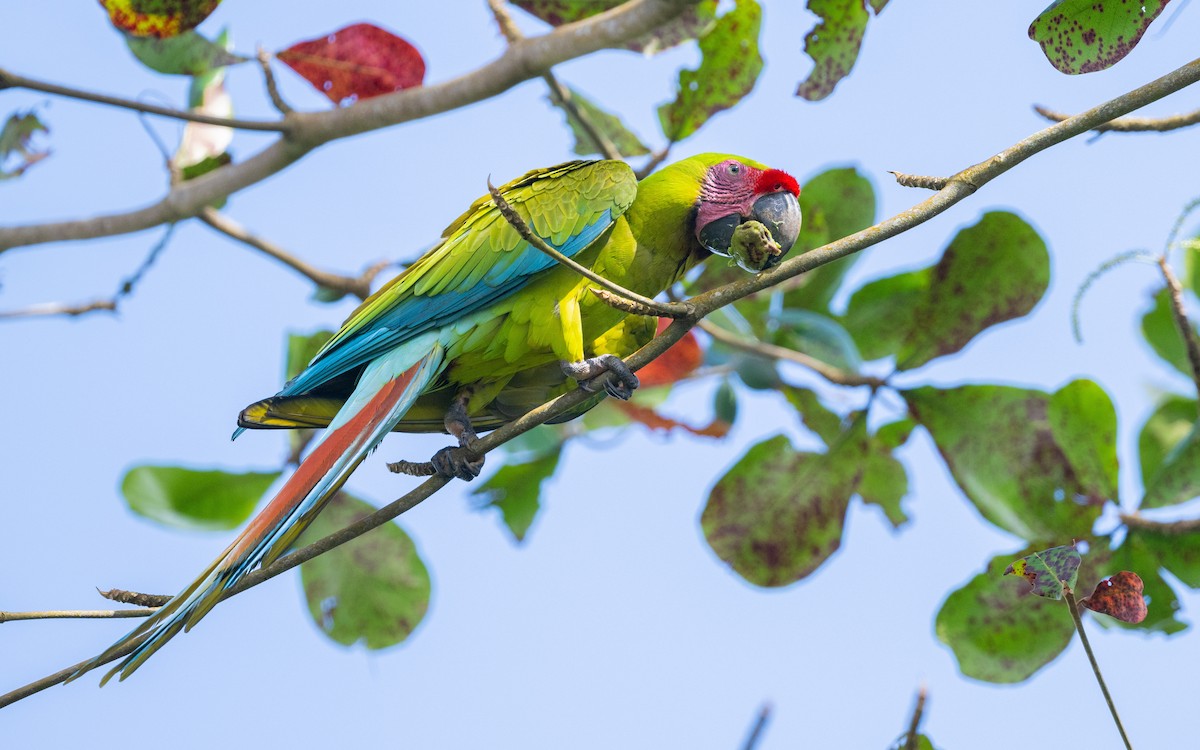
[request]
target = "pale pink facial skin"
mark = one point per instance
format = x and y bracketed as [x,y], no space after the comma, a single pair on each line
[732,187]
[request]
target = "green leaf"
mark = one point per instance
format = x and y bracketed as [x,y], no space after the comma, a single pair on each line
[1160,332]
[187,54]
[1084,423]
[833,44]
[725,407]
[884,483]
[1083,36]
[206,500]
[1049,571]
[1170,423]
[1177,479]
[826,423]
[515,490]
[999,634]
[778,514]
[835,204]
[608,125]
[729,67]
[692,22]
[1178,553]
[923,742]
[991,272]
[158,18]
[1002,451]
[895,434]
[373,590]
[880,314]
[818,336]
[16,140]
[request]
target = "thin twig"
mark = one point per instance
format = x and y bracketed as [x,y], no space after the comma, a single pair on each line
[75,614]
[264,62]
[833,374]
[359,287]
[135,597]
[664,310]
[919,180]
[1169,528]
[12,80]
[914,726]
[1181,319]
[657,158]
[1069,596]
[760,724]
[1131,124]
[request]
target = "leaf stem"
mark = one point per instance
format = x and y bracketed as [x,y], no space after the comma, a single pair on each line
[1069,596]
[914,725]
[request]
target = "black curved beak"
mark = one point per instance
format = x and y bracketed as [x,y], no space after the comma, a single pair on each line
[778,212]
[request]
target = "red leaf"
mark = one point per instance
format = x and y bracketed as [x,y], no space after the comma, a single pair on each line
[359,61]
[1119,597]
[675,363]
[719,428]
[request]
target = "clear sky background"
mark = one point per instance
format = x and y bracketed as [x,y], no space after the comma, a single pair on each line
[614,625]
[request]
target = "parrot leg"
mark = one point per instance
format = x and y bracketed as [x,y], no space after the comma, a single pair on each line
[586,372]
[461,461]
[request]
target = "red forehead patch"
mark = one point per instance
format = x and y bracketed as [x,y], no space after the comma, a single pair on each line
[774,180]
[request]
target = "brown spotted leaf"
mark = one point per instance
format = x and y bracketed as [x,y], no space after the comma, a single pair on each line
[1119,597]
[1048,571]
[729,67]
[1003,451]
[778,514]
[998,632]
[834,42]
[994,271]
[691,23]
[158,18]
[357,62]
[17,150]
[373,590]
[1083,36]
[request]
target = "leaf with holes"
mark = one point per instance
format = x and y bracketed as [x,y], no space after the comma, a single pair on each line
[1048,571]
[695,20]
[194,499]
[608,125]
[729,67]
[357,62]
[1002,450]
[17,151]
[1083,36]
[836,203]
[1171,422]
[516,488]
[994,271]
[1119,596]
[158,18]
[778,514]
[834,43]
[373,590]
[188,54]
[999,633]
[1161,333]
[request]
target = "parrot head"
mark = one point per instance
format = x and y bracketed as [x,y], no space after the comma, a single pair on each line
[735,191]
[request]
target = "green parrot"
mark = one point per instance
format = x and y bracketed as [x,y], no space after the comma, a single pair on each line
[483,328]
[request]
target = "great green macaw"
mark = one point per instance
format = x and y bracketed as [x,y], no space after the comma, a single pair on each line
[481,329]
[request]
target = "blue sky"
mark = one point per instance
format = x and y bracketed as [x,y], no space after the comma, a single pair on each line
[614,625]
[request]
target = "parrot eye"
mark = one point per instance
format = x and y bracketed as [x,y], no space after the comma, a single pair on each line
[734,168]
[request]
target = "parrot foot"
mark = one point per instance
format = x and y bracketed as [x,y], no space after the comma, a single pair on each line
[589,371]
[461,462]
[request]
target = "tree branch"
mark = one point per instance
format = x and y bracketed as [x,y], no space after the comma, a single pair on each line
[14,81]
[1169,528]
[756,731]
[360,287]
[54,309]
[71,614]
[264,62]
[1181,319]
[833,374]
[957,189]
[306,131]
[1131,124]
[914,724]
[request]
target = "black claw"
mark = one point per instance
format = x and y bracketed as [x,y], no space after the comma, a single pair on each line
[455,462]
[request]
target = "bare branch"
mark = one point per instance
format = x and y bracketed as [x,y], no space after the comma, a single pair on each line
[1181,319]
[671,310]
[306,131]
[264,62]
[1169,528]
[914,724]
[12,80]
[360,287]
[657,158]
[1131,124]
[76,614]
[134,597]
[833,374]
[53,309]
[919,180]
[756,731]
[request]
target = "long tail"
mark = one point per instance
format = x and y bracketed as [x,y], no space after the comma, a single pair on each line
[386,390]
